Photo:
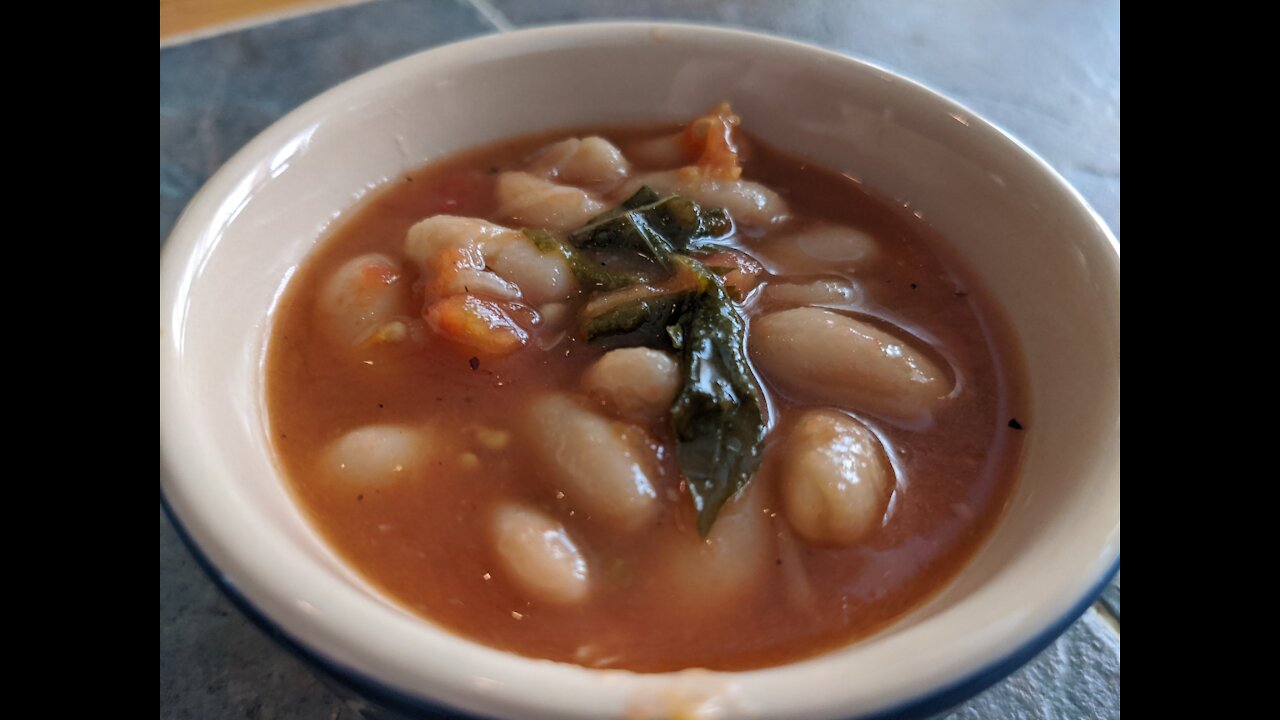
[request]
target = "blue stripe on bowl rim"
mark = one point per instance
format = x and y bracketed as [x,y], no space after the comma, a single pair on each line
[388,698]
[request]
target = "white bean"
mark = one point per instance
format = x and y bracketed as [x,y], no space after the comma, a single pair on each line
[376,455]
[486,259]
[538,554]
[639,383]
[817,248]
[838,293]
[751,204]
[428,238]
[836,479]
[819,355]
[589,161]
[541,276]
[536,202]
[665,151]
[729,564]
[363,296]
[600,465]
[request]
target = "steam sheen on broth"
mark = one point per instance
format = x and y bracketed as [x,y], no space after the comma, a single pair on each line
[644,398]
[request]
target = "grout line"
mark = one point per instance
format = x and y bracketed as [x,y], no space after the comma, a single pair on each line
[493,15]
[252,21]
[1107,616]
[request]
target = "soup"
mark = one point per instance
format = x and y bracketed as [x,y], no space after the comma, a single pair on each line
[644,398]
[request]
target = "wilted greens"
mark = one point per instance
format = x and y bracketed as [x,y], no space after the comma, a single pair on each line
[654,228]
[591,273]
[719,415]
[641,322]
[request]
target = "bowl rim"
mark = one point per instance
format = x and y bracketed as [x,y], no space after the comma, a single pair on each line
[369,688]
[201,210]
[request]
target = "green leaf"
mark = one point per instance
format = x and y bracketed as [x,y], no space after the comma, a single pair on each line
[676,334]
[628,232]
[590,273]
[718,416]
[644,196]
[654,229]
[640,322]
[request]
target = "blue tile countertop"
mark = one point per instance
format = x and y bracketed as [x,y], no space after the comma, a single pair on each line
[1047,72]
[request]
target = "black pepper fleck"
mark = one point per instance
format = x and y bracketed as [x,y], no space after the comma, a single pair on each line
[1013,423]
[474,362]
[914,286]
[379,406]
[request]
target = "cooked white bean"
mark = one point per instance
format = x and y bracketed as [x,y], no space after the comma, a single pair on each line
[730,563]
[820,355]
[665,151]
[555,315]
[751,204]
[541,276]
[468,255]
[591,161]
[816,248]
[365,295]
[839,293]
[600,465]
[538,554]
[639,383]
[429,238]
[536,202]
[836,479]
[376,455]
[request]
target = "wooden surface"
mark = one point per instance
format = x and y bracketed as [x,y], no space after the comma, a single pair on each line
[182,19]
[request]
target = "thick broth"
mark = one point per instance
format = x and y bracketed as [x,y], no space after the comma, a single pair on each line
[424,541]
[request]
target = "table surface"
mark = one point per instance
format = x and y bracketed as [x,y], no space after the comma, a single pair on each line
[1047,72]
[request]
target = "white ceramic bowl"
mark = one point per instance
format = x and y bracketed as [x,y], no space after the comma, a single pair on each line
[1049,260]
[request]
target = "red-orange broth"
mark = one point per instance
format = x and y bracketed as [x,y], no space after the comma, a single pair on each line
[426,539]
